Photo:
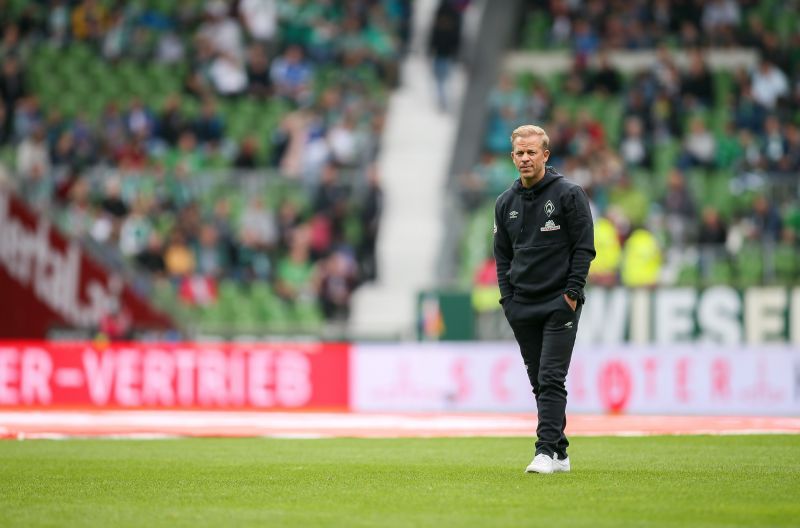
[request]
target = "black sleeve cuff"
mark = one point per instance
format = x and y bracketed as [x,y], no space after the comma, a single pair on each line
[576,293]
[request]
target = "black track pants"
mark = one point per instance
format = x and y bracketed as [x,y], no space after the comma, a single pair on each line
[546,335]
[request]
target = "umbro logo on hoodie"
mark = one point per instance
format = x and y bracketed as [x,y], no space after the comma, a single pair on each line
[513,215]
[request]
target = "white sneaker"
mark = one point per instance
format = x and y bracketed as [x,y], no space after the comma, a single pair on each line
[560,466]
[541,463]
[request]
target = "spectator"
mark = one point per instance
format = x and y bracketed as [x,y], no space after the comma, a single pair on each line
[370,220]
[585,41]
[697,88]
[221,220]
[790,163]
[288,223]
[12,83]
[292,74]
[197,85]
[330,200]
[228,75]
[764,221]
[252,260]
[769,84]
[209,254]
[294,273]
[589,134]
[634,147]
[151,258]
[113,131]
[221,31]
[539,102]
[444,43]
[749,114]
[713,231]
[719,17]
[186,158]
[260,18]
[78,216]
[5,124]
[260,223]
[247,157]
[171,122]
[336,282]
[752,158]
[89,21]
[58,22]
[136,229]
[345,142]
[116,41]
[139,120]
[641,260]
[33,168]
[132,155]
[208,127]
[699,146]
[774,144]
[604,269]
[604,79]
[636,106]
[178,258]
[169,48]
[259,82]
[32,155]
[64,153]
[679,209]
[112,202]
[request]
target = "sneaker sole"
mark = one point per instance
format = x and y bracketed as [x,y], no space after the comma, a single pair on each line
[529,470]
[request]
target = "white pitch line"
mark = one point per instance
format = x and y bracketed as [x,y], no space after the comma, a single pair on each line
[170,424]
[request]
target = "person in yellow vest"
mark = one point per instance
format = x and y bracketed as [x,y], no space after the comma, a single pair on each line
[604,269]
[641,259]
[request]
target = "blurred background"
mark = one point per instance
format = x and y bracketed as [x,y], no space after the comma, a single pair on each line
[317,171]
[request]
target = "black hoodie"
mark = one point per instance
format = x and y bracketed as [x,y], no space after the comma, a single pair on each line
[543,239]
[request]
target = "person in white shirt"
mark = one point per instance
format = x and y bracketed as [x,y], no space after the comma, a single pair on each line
[769,84]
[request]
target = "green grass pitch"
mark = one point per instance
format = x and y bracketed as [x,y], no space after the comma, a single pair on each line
[709,481]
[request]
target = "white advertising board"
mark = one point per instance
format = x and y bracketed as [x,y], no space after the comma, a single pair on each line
[668,379]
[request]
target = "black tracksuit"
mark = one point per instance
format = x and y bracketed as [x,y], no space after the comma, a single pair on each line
[543,245]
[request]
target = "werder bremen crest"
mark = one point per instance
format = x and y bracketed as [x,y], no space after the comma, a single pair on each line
[549,207]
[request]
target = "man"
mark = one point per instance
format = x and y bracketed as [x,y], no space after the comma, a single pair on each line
[543,244]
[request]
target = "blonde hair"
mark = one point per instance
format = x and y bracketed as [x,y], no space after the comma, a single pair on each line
[531,130]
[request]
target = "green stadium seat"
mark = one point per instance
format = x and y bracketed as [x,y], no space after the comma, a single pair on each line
[268,307]
[476,243]
[749,266]
[688,275]
[786,25]
[307,315]
[722,85]
[786,264]
[537,31]
[718,192]
[8,156]
[721,272]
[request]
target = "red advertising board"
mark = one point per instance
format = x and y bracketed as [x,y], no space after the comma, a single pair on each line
[47,280]
[170,376]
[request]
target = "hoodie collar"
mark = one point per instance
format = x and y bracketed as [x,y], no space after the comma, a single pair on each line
[550,175]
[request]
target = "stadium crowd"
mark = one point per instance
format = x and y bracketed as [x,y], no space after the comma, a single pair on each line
[687,169]
[132,175]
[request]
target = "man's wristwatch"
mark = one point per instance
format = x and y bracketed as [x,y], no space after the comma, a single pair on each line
[572,294]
